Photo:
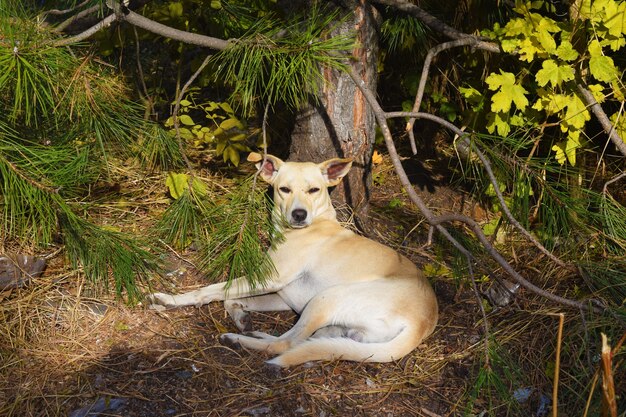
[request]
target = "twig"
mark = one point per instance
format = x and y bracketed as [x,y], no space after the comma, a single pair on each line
[504,264]
[66,11]
[603,119]
[482,311]
[149,25]
[612,180]
[63,25]
[177,108]
[609,403]
[425,69]
[557,366]
[596,375]
[104,23]
[436,24]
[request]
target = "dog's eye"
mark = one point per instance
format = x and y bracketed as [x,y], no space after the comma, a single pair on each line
[313,190]
[285,190]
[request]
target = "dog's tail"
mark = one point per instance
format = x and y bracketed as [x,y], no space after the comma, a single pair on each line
[333,348]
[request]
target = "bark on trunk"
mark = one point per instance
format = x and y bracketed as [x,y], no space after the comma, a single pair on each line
[341,123]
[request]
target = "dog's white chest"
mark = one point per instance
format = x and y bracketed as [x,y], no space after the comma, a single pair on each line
[300,291]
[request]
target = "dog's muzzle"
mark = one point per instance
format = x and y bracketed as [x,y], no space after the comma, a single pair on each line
[298,218]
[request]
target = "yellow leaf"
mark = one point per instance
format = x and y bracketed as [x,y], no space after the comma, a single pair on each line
[559,148]
[177,184]
[231,123]
[186,120]
[508,92]
[377,158]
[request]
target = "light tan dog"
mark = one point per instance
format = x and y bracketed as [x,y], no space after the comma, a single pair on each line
[358,300]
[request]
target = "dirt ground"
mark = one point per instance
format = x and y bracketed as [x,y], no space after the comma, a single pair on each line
[66,352]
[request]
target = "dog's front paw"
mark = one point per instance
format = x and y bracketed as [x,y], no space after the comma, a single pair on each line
[160,301]
[231,340]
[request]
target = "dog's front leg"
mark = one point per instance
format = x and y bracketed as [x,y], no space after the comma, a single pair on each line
[238,308]
[239,288]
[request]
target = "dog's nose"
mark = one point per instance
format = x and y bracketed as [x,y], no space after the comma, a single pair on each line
[298,215]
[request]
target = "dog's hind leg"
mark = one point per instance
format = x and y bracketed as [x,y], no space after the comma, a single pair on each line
[238,308]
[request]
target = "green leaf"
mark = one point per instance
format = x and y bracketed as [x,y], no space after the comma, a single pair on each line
[576,114]
[508,92]
[175,9]
[566,149]
[177,184]
[231,154]
[602,68]
[186,120]
[559,148]
[231,123]
[490,228]
[619,123]
[498,122]
[566,52]
[594,48]
[554,73]
[615,20]
[547,41]
[597,90]
[528,48]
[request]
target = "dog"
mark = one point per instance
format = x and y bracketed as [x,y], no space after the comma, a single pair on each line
[358,300]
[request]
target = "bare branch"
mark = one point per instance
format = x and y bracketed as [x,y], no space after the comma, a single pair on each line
[436,24]
[492,178]
[65,11]
[61,26]
[436,221]
[603,119]
[104,23]
[149,25]
[425,69]
[175,34]
[176,121]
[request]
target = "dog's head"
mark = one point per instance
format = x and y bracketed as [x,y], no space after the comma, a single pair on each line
[301,188]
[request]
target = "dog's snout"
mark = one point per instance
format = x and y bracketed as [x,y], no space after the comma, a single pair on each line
[299,215]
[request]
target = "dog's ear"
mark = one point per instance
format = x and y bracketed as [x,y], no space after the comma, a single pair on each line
[335,169]
[269,168]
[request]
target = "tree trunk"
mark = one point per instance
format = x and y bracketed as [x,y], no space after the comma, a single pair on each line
[342,124]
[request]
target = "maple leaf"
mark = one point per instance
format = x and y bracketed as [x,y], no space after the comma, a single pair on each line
[576,114]
[507,92]
[528,47]
[497,122]
[550,102]
[566,149]
[614,21]
[619,123]
[566,52]
[559,148]
[601,67]
[597,92]
[553,73]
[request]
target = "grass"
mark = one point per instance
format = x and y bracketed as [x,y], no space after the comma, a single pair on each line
[64,346]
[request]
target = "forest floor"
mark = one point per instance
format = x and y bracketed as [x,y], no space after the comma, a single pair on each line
[69,352]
